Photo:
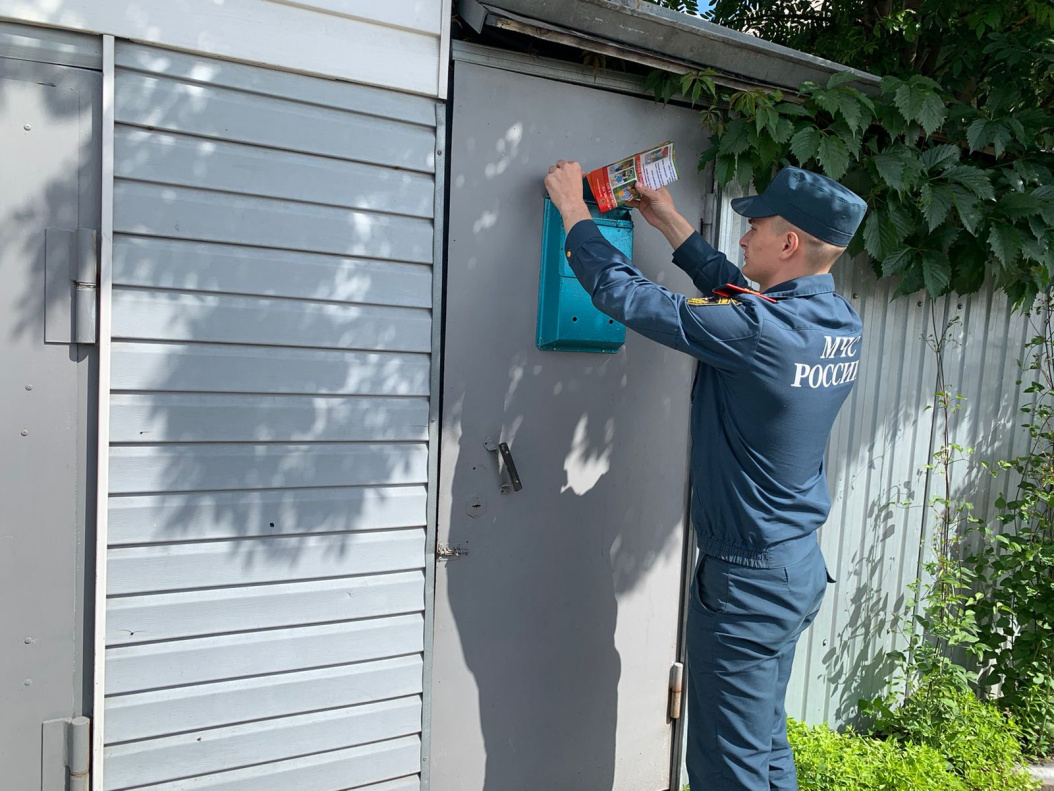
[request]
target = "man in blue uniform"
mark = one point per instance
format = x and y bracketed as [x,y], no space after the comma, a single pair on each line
[775,367]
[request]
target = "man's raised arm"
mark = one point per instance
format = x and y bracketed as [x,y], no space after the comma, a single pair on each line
[705,265]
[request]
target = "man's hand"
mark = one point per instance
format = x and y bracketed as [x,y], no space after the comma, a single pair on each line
[564,184]
[656,206]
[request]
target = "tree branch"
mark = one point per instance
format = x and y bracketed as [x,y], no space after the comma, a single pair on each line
[800,17]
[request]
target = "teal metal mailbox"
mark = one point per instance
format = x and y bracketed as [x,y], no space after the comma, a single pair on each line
[567,320]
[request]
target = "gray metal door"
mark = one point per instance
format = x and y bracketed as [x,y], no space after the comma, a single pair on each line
[557,606]
[50,118]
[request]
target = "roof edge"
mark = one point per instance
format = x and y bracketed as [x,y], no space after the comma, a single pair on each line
[675,36]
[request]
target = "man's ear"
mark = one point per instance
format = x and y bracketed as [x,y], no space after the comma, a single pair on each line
[791,243]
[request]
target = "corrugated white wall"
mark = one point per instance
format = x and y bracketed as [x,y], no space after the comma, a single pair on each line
[399,44]
[272,338]
[873,537]
[879,531]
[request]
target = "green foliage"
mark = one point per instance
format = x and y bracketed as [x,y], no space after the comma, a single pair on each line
[979,742]
[943,740]
[954,152]
[995,605]
[984,52]
[830,761]
[1016,563]
[942,215]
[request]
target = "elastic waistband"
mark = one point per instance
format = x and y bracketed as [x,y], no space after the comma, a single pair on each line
[771,557]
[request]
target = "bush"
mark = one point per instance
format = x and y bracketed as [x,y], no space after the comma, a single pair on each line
[979,742]
[830,761]
[941,739]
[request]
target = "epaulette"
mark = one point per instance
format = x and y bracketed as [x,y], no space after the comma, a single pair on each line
[697,301]
[724,291]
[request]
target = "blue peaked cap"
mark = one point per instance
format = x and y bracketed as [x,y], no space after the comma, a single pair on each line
[818,205]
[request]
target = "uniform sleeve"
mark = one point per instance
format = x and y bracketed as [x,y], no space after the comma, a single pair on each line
[705,265]
[722,336]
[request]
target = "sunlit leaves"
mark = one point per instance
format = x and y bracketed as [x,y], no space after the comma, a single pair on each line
[950,195]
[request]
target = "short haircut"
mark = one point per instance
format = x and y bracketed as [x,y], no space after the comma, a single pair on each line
[819,254]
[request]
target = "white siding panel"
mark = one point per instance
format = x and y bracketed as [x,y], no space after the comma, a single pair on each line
[248,369]
[402,784]
[25,42]
[169,616]
[250,170]
[226,467]
[222,318]
[181,213]
[215,113]
[136,668]
[235,418]
[221,749]
[282,84]
[422,15]
[284,35]
[353,768]
[254,560]
[151,714]
[269,424]
[196,266]
[194,517]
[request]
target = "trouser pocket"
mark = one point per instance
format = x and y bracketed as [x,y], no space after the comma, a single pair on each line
[710,591]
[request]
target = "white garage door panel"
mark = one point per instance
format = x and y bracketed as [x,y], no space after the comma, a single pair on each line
[269,418]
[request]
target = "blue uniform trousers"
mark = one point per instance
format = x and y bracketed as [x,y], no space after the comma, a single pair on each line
[743,626]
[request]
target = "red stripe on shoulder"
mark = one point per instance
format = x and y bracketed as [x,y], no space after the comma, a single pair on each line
[730,289]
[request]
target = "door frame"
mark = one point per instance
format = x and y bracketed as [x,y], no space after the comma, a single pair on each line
[435,419]
[103,418]
[57,46]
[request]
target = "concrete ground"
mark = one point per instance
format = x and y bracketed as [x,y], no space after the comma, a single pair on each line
[1044,772]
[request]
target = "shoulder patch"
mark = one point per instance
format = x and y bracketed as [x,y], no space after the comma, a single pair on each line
[695,301]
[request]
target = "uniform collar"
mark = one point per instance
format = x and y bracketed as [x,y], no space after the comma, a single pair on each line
[802,287]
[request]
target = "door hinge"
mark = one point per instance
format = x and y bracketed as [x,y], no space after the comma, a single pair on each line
[71,285]
[676,688]
[445,552]
[66,752]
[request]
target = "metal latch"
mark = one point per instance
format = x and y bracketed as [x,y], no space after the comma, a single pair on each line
[71,285]
[503,450]
[446,552]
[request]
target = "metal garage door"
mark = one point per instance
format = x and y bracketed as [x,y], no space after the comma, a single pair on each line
[271,360]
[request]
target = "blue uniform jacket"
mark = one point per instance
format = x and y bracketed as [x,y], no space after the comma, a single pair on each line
[772,378]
